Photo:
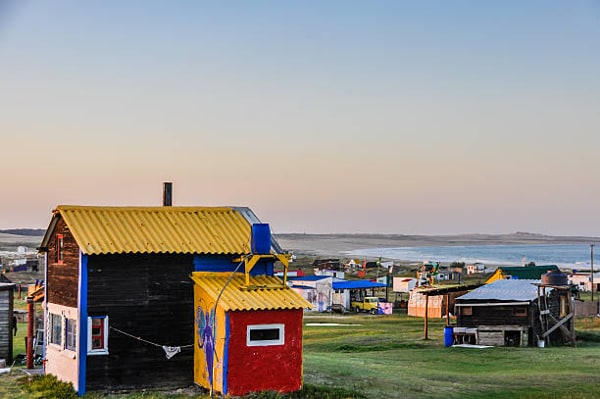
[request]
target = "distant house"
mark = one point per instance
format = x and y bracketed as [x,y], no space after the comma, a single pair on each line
[476,268]
[521,272]
[315,289]
[583,281]
[326,293]
[517,313]
[403,284]
[119,303]
[330,264]
[428,301]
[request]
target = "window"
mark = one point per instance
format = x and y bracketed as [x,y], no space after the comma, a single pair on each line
[56,329]
[98,335]
[59,249]
[466,311]
[265,334]
[71,327]
[520,311]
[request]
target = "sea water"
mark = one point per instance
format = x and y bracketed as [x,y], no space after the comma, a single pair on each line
[573,256]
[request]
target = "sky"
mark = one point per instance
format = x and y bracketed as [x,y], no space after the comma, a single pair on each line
[426,117]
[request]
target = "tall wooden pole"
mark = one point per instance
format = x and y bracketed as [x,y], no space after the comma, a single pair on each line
[426,321]
[592,268]
[30,322]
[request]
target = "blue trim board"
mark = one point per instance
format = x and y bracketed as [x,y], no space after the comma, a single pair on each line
[205,263]
[83,315]
[226,353]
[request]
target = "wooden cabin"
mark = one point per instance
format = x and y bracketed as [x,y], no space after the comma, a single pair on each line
[248,335]
[119,298]
[517,313]
[6,321]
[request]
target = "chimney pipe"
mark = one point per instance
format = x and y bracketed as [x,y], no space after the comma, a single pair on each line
[167,193]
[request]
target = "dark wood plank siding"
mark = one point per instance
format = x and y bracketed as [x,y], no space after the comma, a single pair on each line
[63,279]
[495,315]
[147,296]
[6,323]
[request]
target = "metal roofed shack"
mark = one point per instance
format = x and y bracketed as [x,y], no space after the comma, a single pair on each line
[244,335]
[119,298]
[516,313]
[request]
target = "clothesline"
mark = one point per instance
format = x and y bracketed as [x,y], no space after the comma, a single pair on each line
[170,351]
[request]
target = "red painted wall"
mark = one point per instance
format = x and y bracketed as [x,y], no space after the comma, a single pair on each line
[261,368]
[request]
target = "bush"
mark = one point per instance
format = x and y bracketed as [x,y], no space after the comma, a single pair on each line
[48,387]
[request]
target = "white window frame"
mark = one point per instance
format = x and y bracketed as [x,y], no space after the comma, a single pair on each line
[267,342]
[104,349]
[72,333]
[56,317]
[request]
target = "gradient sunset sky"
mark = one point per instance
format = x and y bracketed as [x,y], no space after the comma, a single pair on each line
[423,117]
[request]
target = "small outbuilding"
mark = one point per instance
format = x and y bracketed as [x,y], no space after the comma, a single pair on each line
[7,321]
[517,313]
[247,335]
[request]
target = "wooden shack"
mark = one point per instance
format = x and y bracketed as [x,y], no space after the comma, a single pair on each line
[433,301]
[6,321]
[517,313]
[248,335]
[120,302]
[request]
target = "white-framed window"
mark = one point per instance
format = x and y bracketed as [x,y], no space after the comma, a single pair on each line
[98,335]
[63,331]
[71,334]
[265,334]
[56,329]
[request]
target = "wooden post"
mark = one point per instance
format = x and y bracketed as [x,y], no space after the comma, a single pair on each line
[447,309]
[426,321]
[30,323]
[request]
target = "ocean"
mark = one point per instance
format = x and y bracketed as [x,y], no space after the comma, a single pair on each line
[572,256]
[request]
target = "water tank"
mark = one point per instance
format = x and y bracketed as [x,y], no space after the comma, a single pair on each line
[261,239]
[555,277]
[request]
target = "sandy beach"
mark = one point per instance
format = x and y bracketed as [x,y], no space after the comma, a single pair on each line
[336,245]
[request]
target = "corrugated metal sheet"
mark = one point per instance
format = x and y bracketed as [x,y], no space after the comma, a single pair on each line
[236,298]
[186,230]
[504,290]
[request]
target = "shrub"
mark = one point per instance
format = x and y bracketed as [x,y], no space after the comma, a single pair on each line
[48,387]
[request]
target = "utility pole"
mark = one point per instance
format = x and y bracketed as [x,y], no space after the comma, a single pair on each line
[592,269]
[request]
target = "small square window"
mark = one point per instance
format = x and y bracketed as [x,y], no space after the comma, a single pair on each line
[466,311]
[98,335]
[56,329]
[265,334]
[71,327]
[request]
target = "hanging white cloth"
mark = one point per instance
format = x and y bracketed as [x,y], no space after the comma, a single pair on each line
[171,351]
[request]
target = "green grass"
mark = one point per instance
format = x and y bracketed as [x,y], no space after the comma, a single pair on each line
[386,357]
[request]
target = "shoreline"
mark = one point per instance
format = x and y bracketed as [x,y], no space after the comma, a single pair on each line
[339,245]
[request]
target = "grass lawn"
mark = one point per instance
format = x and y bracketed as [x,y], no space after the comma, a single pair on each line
[387,357]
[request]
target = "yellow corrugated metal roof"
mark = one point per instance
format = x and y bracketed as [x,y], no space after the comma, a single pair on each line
[188,230]
[236,298]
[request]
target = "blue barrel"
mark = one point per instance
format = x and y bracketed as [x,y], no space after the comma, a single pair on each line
[448,336]
[261,239]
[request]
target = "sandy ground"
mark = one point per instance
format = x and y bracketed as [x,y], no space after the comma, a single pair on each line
[335,245]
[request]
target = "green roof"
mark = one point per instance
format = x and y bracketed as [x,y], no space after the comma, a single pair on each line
[527,272]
